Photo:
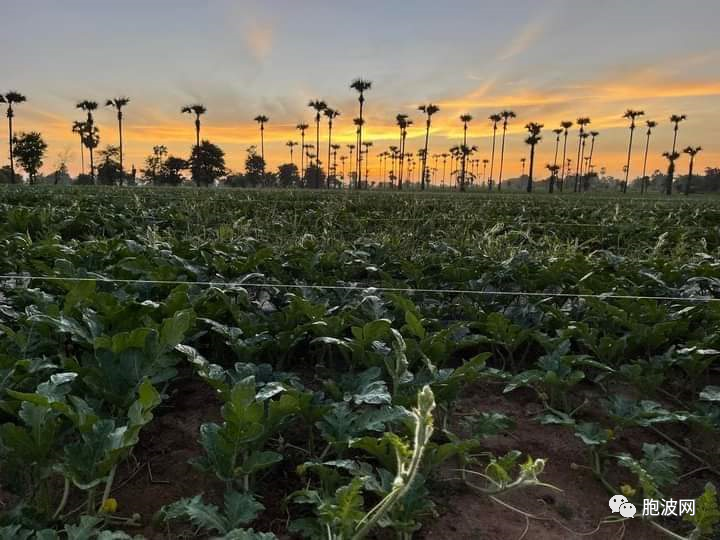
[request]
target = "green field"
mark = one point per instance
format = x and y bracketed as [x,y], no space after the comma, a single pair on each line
[256,364]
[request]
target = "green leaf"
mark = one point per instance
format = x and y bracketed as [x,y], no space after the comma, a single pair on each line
[258,461]
[241,508]
[710,393]
[414,324]
[707,512]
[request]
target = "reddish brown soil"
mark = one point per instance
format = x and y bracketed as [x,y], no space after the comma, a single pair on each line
[572,514]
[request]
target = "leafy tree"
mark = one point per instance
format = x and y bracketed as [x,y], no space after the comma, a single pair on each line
[153,163]
[30,151]
[315,177]
[288,175]
[198,110]
[207,164]
[118,104]
[109,170]
[5,174]
[171,171]
[254,168]
[11,98]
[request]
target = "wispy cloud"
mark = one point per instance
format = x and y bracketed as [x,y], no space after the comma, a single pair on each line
[524,39]
[259,40]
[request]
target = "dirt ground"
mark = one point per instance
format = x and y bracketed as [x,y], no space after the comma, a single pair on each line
[161,474]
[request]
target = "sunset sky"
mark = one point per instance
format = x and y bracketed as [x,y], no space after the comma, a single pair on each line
[548,60]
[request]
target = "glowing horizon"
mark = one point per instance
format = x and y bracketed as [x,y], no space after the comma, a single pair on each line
[241,59]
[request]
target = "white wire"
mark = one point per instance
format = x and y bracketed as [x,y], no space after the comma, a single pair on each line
[231,285]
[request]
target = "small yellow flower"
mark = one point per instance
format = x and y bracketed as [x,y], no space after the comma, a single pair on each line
[109,506]
[627,490]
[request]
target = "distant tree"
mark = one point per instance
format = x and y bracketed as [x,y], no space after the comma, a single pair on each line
[84,180]
[402,122]
[5,174]
[91,134]
[30,151]
[331,114]
[671,157]
[676,119]
[207,164]
[302,127]
[288,175]
[153,164]
[692,152]
[171,171]
[650,125]
[254,168]
[109,172]
[118,104]
[360,86]
[319,106]
[79,128]
[532,140]
[631,115]
[582,122]
[506,116]
[466,119]
[11,98]
[494,118]
[553,168]
[262,120]
[315,177]
[198,110]
[291,145]
[429,110]
[565,125]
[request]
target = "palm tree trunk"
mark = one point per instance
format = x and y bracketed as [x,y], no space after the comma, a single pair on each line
[424,165]
[502,156]
[317,150]
[577,166]
[592,149]
[82,155]
[690,175]
[358,174]
[351,167]
[401,160]
[627,167]
[530,174]
[92,166]
[327,178]
[197,132]
[122,173]
[262,148]
[492,157]
[10,139]
[675,138]
[557,148]
[562,181]
[582,167]
[644,177]
[302,157]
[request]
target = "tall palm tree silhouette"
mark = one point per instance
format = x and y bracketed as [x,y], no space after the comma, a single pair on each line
[262,120]
[631,115]
[198,110]
[557,132]
[91,140]
[650,125]
[394,157]
[444,156]
[494,118]
[533,138]
[402,122]
[593,135]
[11,98]
[334,148]
[692,152]
[522,163]
[465,119]
[302,127]
[90,131]
[360,86]
[79,128]
[485,164]
[319,106]
[506,115]
[331,115]
[565,125]
[429,110]
[118,104]
[291,145]
[676,119]
[671,157]
[583,167]
[582,122]
[343,159]
[465,151]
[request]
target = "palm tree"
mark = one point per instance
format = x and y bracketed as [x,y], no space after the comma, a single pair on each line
[565,125]
[506,115]
[484,175]
[522,163]
[118,104]
[554,168]
[557,132]
[262,120]
[402,122]
[12,98]
[91,139]
[582,122]
[319,106]
[331,114]
[532,140]
[692,152]
[90,130]
[198,110]
[465,119]
[394,156]
[650,125]
[79,128]
[671,157]
[360,86]
[444,157]
[302,127]
[358,122]
[494,118]
[464,150]
[676,119]
[429,110]
[343,159]
[582,186]
[631,115]
[291,145]
[593,134]
[334,148]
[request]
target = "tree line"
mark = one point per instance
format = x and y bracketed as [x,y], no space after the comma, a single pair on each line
[397,167]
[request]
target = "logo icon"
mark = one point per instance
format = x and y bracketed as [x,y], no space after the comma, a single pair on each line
[619,503]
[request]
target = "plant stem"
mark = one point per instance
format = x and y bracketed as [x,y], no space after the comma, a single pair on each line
[63,501]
